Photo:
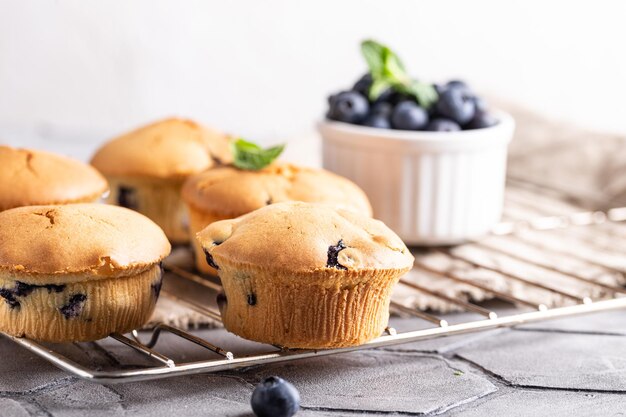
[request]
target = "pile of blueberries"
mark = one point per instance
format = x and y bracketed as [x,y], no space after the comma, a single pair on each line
[457,108]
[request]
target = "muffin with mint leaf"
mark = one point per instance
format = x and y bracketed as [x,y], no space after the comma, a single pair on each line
[147,167]
[255,180]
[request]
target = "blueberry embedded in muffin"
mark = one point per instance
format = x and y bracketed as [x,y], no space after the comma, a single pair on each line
[227,192]
[78,272]
[147,167]
[305,275]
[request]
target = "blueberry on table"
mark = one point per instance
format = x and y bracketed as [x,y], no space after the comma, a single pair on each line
[362,86]
[482,120]
[275,397]
[349,107]
[407,115]
[379,121]
[443,125]
[456,105]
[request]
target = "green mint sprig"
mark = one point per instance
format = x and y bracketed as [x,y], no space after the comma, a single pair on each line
[388,71]
[250,156]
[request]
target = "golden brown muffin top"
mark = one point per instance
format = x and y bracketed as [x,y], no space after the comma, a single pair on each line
[96,240]
[231,192]
[30,177]
[171,148]
[305,237]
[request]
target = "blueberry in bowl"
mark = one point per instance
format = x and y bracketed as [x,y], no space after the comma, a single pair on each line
[348,106]
[408,104]
[430,157]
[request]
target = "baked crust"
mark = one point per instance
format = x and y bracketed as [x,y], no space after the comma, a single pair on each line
[82,241]
[168,148]
[297,237]
[229,192]
[30,177]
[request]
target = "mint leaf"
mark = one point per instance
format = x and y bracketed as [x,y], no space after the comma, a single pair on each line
[388,71]
[378,87]
[372,52]
[424,93]
[393,66]
[250,156]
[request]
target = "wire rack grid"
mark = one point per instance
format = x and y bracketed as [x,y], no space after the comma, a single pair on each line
[526,310]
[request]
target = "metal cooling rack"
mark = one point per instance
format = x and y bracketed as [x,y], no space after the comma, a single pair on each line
[220,359]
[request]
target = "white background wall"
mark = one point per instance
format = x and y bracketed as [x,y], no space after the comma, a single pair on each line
[85,69]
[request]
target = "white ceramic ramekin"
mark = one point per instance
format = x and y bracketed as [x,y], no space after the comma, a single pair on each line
[431,188]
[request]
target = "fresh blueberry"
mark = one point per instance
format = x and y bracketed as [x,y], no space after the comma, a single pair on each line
[275,397]
[480,104]
[349,107]
[456,105]
[363,85]
[482,120]
[407,115]
[443,125]
[398,97]
[382,108]
[377,120]
[392,97]
[461,85]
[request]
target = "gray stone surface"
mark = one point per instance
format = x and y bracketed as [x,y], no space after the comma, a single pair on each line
[198,395]
[600,323]
[10,407]
[80,399]
[571,367]
[381,381]
[22,371]
[522,403]
[555,360]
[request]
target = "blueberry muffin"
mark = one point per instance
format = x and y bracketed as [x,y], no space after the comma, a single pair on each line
[227,192]
[147,167]
[77,272]
[29,177]
[304,275]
